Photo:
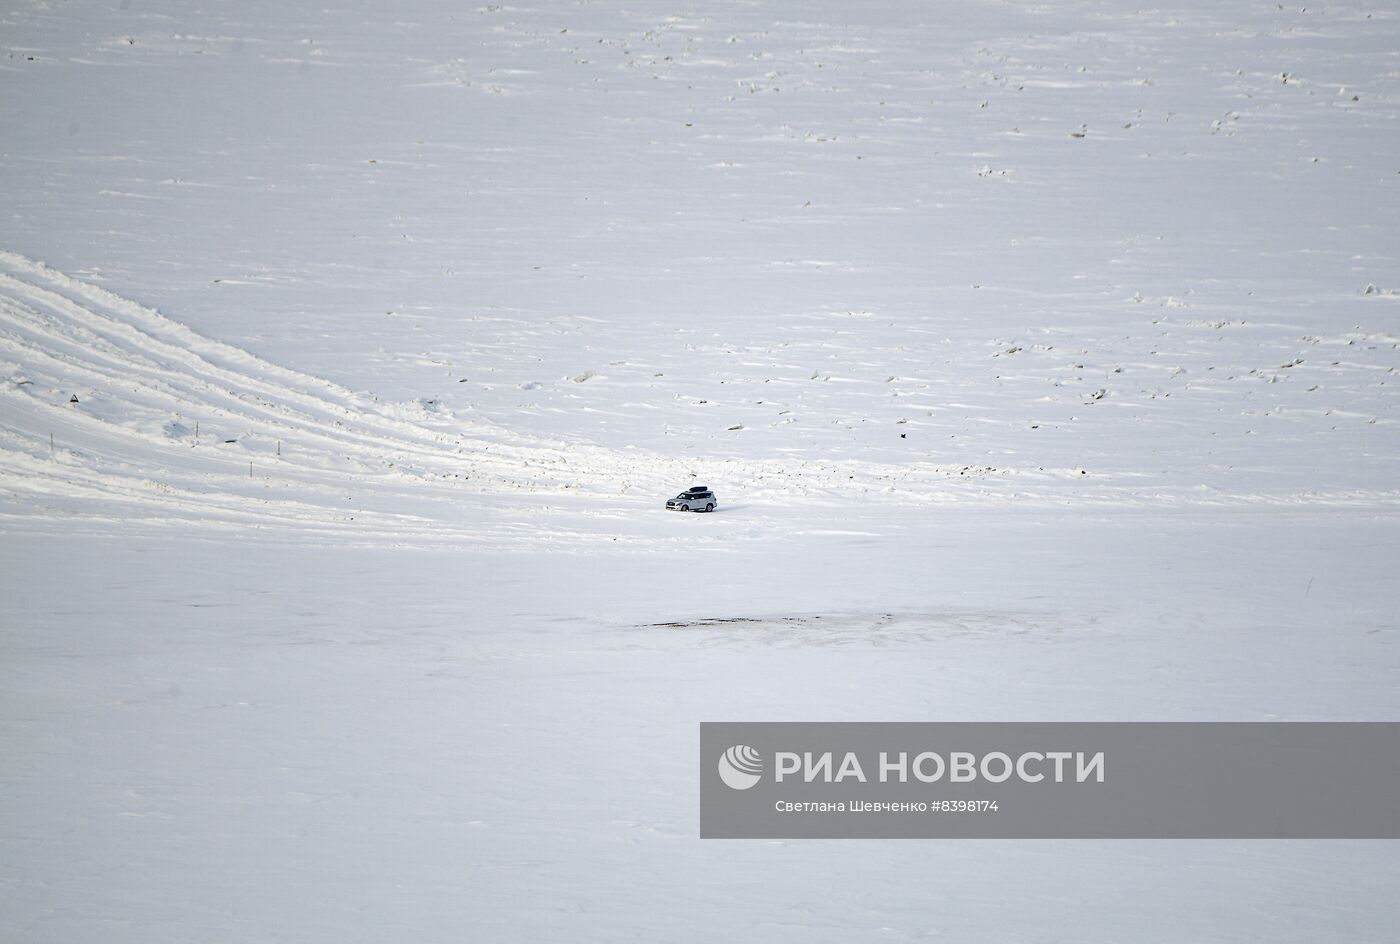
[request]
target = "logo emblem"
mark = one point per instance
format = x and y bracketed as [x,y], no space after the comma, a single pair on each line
[740,767]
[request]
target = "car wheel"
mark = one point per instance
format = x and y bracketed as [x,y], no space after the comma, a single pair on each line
[685,507]
[710,507]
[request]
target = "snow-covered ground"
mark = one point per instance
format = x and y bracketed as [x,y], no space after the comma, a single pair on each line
[1043,356]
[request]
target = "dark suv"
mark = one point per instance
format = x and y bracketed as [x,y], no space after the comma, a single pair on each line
[697,498]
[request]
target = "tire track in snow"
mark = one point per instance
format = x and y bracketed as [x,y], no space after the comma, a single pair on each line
[142,375]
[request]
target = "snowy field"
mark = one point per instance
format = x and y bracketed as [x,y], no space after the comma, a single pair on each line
[1043,358]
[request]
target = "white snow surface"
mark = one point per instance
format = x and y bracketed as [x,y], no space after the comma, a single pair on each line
[1043,358]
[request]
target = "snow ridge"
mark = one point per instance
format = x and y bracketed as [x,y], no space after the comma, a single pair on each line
[115,414]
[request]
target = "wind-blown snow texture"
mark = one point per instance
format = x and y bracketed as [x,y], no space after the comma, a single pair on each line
[1043,358]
